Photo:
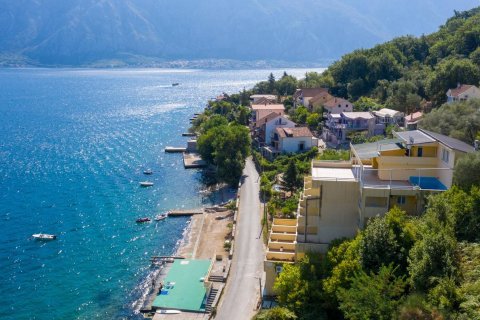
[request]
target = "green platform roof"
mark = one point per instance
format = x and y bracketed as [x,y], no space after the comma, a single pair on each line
[183,288]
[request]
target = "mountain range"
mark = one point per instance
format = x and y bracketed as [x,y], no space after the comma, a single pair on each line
[156,32]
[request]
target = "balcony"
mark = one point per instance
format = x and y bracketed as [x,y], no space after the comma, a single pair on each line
[282,241]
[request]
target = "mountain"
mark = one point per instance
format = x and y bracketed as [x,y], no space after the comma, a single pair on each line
[85,32]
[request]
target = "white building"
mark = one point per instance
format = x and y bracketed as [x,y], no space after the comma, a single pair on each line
[463,92]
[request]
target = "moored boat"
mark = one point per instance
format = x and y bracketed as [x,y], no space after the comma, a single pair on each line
[142,220]
[146,184]
[161,217]
[163,311]
[175,84]
[44,236]
[148,172]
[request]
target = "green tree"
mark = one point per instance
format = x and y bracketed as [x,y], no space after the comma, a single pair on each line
[432,257]
[460,120]
[276,313]
[366,104]
[298,288]
[271,83]
[387,240]
[226,147]
[286,86]
[313,120]
[291,177]
[467,171]
[448,74]
[373,296]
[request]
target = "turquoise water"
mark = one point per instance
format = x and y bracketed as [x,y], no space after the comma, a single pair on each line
[73,146]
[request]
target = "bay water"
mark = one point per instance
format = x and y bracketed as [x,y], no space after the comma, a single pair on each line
[73,147]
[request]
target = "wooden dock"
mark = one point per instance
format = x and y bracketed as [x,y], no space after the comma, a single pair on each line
[175,149]
[188,212]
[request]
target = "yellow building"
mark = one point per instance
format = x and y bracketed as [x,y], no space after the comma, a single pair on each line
[340,196]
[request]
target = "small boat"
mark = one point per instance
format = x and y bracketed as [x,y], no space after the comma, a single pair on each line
[161,217]
[163,311]
[146,184]
[44,236]
[175,84]
[148,171]
[142,220]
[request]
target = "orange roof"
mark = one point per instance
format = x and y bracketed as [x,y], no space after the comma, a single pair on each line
[414,116]
[308,92]
[322,97]
[294,132]
[268,107]
[265,119]
[335,102]
[460,89]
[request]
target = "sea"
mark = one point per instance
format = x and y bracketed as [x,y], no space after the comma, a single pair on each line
[73,147]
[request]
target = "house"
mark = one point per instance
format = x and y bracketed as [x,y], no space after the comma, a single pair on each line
[387,117]
[412,120]
[338,126]
[303,95]
[289,140]
[261,110]
[463,92]
[264,127]
[263,98]
[340,196]
[319,100]
[337,105]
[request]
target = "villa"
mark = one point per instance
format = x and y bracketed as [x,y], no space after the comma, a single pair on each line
[387,117]
[341,196]
[302,96]
[263,128]
[463,92]
[337,106]
[338,126]
[289,140]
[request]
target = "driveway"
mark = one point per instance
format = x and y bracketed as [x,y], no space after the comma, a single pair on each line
[242,291]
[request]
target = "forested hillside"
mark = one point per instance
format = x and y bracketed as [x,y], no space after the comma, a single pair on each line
[408,71]
[148,32]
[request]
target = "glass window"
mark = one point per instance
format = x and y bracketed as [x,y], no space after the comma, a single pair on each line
[401,199]
[445,155]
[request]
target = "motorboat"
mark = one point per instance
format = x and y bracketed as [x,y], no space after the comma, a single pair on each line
[161,217]
[163,311]
[44,236]
[175,84]
[146,184]
[148,172]
[143,220]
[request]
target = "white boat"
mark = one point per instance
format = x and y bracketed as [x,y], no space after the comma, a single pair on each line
[160,217]
[146,184]
[148,172]
[163,311]
[44,236]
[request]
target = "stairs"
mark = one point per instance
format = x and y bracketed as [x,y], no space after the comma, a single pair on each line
[216,278]
[210,300]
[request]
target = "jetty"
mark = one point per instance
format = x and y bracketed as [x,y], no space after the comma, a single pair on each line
[193,160]
[175,149]
[187,212]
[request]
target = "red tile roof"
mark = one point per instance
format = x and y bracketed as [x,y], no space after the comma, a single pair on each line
[294,132]
[265,119]
[459,90]
[335,102]
[309,92]
[268,107]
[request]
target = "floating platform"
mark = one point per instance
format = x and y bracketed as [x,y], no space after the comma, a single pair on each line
[188,134]
[175,149]
[189,212]
[193,160]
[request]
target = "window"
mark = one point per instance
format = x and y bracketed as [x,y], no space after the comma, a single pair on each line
[420,152]
[401,200]
[301,146]
[445,155]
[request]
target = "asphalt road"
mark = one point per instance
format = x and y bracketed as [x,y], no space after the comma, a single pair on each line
[242,291]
